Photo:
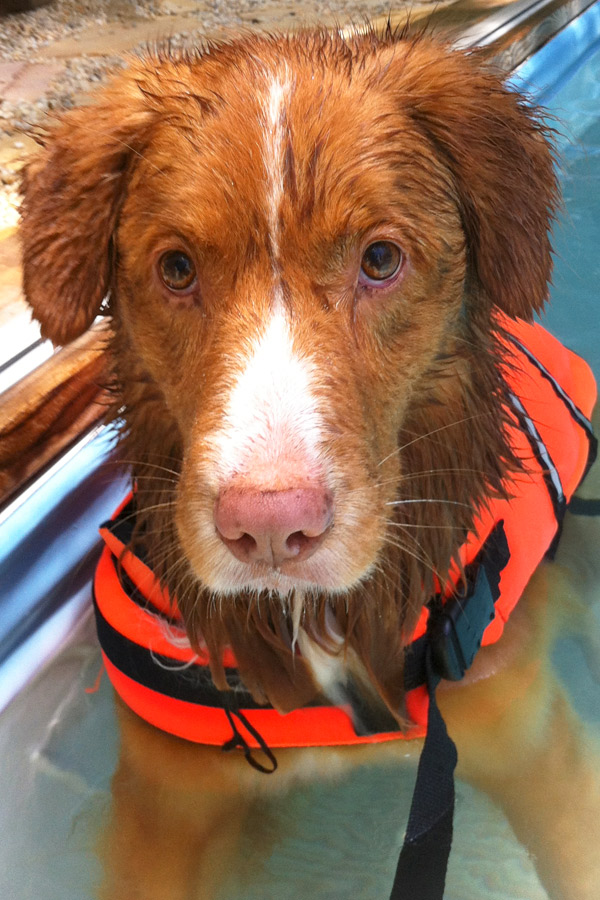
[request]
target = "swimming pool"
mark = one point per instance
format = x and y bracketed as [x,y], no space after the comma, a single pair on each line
[330,841]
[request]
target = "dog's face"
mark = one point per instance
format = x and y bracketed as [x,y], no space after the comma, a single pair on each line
[304,241]
[289,288]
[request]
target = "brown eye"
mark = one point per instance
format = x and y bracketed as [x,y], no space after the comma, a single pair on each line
[177,270]
[381,261]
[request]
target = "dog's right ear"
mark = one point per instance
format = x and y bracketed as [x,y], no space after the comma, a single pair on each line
[72,192]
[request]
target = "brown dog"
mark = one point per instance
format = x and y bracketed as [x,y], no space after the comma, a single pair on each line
[306,244]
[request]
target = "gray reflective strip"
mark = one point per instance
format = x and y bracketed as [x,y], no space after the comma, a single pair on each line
[573,409]
[544,456]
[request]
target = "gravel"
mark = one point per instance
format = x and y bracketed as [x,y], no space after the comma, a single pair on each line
[26,36]
[23,34]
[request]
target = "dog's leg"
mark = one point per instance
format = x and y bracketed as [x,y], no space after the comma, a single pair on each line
[553,803]
[174,822]
[520,741]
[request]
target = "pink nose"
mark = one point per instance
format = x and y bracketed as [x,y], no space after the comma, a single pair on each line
[272,526]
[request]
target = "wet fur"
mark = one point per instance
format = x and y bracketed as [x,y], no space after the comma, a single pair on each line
[435,124]
[451,447]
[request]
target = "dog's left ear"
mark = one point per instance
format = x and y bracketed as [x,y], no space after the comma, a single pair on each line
[497,150]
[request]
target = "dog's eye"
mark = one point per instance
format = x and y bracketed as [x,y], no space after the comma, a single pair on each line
[381,261]
[177,270]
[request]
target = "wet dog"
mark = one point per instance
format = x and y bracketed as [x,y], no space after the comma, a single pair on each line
[310,248]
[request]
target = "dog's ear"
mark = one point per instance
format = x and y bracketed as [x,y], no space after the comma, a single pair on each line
[71,194]
[497,150]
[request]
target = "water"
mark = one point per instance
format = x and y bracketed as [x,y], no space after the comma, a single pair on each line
[330,841]
[573,313]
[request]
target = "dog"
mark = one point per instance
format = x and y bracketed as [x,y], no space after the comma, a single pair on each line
[314,251]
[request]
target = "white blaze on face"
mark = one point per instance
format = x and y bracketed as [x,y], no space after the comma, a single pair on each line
[274,149]
[272,427]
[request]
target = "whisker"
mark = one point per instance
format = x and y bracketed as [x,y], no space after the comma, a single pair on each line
[414,525]
[166,505]
[170,493]
[427,500]
[428,563]
[143,465]
[408,476]
[421,437]
[153,478]
[452,471]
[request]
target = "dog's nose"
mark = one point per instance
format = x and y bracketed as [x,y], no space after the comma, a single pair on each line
[273,526]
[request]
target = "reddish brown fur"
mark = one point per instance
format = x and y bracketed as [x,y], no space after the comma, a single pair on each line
[392,135]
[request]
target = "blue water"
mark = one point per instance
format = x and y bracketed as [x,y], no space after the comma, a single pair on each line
[565,77]
[570,89]
[575,298]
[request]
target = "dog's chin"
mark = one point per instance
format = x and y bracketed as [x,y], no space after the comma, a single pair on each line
[316,576]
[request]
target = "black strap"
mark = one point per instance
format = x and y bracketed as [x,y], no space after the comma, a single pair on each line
[421,870]
[446,650]
[584,506]
[191,683]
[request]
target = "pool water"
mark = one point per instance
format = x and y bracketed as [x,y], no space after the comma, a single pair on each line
[337,840]
[573,313]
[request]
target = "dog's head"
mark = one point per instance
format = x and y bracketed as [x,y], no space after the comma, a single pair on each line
[304,242]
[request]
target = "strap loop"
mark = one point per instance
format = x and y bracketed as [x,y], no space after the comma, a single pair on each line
[238,741]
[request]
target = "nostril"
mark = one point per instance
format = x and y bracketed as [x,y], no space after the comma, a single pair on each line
[246,543]
[300,544]
[243,548]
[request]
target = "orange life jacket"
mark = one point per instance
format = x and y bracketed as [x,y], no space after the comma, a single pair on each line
[552,395]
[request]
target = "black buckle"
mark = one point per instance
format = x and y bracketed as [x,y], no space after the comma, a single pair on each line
[457,626]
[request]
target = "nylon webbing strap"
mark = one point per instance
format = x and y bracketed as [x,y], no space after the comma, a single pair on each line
[584,506]
[421,870]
